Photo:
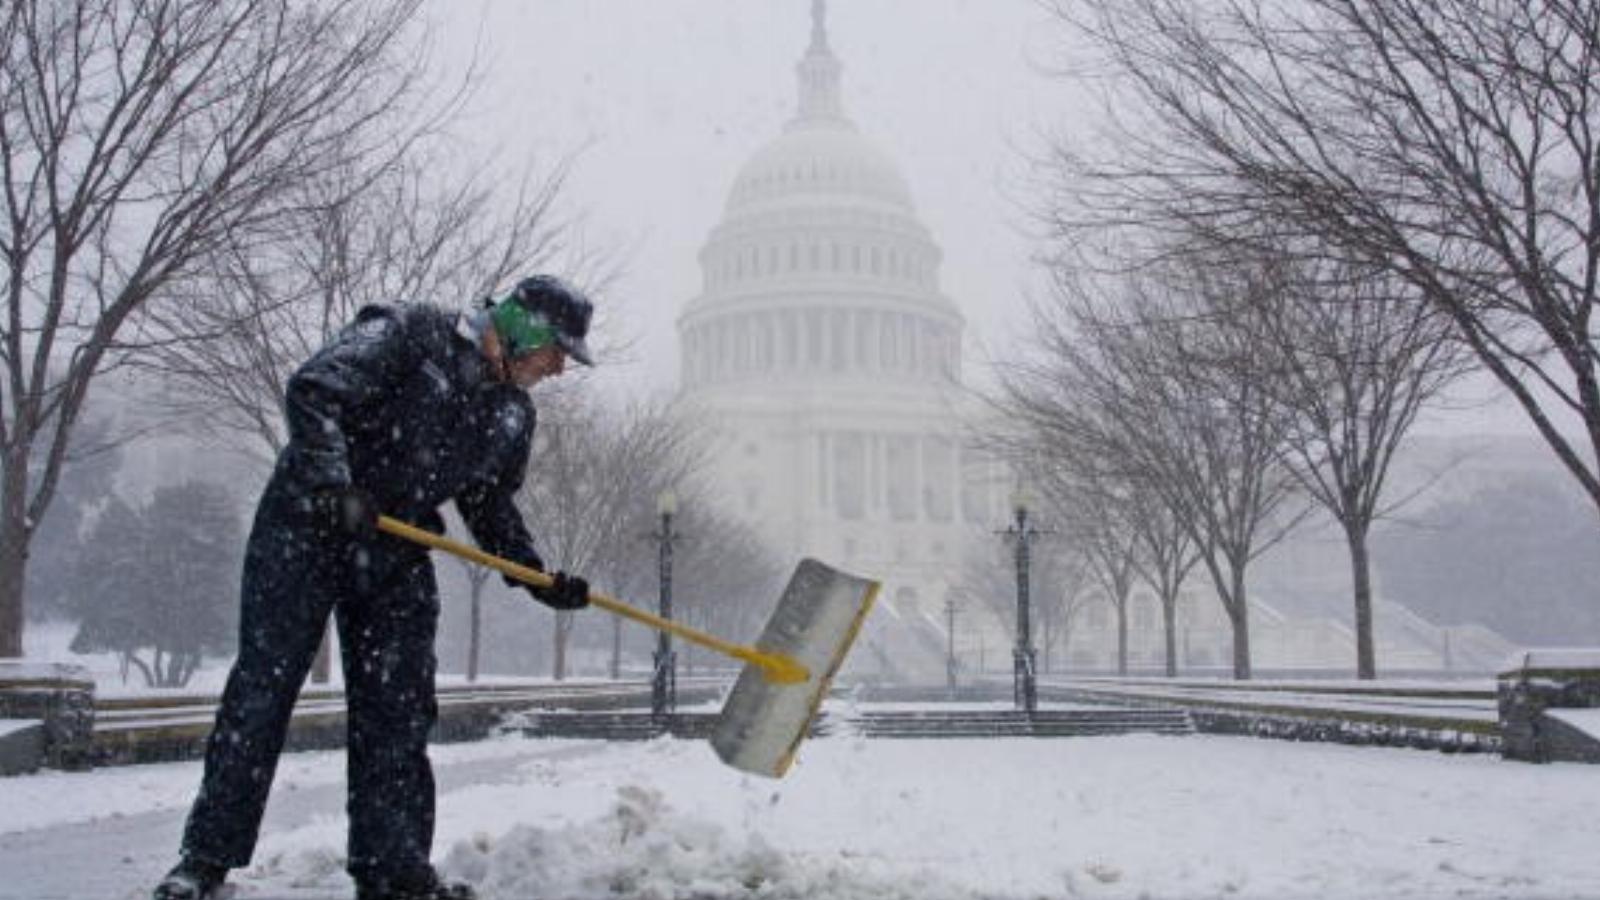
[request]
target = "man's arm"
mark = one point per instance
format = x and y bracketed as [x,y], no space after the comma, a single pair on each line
[357,367]
[496,524]
[488,507]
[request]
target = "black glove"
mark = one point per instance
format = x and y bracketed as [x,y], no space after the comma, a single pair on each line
[569,592]
[346,509]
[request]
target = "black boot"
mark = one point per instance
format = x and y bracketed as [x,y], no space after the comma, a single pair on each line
[191,879]
[423,885]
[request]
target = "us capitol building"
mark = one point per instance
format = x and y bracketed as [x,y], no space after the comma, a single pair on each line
[826,365]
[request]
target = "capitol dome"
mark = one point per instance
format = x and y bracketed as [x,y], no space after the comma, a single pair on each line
[819,161]
[822,366]
[820,267]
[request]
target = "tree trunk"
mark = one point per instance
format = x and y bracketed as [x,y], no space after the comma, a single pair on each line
[558,664]
[475,632]
[14,538]
[1361,570]
[1122,637]
[616,648]
[1239,615]
[1169,622]
[149,677]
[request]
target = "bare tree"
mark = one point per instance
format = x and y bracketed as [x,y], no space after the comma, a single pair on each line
[1119,527]
[1101,525]
[137,137]
[726,580]
[477,580]
[1157,394]
[1164,557]
[411,224]
[591,488]
[1061,595]
[1447,143]
[1356,356]
[410,227]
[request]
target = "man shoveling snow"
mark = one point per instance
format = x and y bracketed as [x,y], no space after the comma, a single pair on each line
[407,408]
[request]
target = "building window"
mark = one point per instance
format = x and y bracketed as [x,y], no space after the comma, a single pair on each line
[790,338]
[814,338]
[901,464]
[938,479]
[765,353]
[888,343]
[850,476]
[839,339]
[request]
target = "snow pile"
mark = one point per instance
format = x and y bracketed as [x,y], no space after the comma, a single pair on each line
[644,850]
[1109,818]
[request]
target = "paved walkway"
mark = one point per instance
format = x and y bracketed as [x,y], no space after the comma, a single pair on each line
[122,857]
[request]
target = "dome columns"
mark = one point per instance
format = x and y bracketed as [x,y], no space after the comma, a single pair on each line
[817,342]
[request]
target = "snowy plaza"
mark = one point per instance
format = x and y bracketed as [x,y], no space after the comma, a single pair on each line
[1137,816]
[1087,449]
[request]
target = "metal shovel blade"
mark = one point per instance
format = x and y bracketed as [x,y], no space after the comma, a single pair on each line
[763,722]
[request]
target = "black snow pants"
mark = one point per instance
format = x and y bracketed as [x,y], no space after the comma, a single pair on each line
[385,601]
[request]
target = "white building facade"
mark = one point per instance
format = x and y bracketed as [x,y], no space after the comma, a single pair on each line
[826,362]
[826,365]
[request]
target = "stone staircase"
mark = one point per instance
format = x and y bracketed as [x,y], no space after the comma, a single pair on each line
[1012,723]
[970,723]
[612,725]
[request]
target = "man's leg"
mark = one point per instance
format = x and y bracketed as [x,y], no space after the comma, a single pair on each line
[282,613]
[387,635]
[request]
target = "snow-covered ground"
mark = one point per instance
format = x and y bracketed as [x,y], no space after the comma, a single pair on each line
[1112,817]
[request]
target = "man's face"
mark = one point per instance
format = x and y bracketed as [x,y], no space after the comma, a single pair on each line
[529,369]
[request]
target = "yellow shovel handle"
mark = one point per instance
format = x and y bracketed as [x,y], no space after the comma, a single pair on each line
[776,667]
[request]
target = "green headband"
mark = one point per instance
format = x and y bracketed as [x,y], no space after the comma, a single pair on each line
[521,330]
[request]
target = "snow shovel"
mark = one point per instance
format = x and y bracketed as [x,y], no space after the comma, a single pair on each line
[780,689]
[818,618]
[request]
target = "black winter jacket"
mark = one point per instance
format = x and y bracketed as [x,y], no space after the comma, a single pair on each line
[402,404]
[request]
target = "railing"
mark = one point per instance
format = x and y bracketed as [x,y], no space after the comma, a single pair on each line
[1424,716]
[155,729]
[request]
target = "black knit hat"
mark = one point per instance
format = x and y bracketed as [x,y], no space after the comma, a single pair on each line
[560,305]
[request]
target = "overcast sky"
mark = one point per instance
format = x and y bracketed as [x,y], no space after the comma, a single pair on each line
[669,98]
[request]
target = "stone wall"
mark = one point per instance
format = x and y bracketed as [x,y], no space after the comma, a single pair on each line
[1538,680]
[61,697]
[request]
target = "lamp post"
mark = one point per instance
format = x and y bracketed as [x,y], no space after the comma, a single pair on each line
[664,684]
[1024,690]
